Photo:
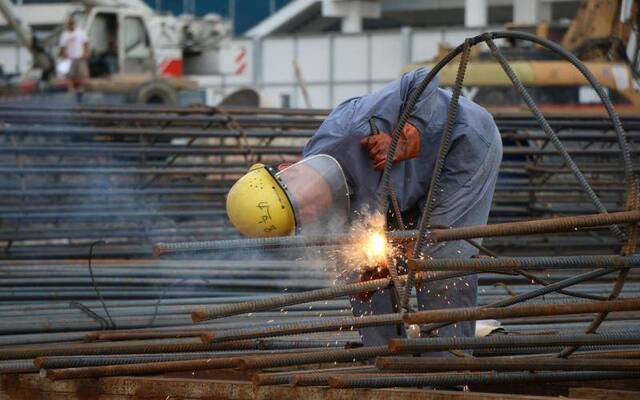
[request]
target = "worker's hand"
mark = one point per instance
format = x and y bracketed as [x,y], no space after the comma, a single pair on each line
[368,275]
[378,146]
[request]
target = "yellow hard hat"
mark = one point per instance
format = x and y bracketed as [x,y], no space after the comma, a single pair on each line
[258,206]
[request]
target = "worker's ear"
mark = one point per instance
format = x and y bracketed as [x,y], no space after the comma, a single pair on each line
[284,166]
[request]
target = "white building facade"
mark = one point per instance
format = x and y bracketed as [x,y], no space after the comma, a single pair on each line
[343,48]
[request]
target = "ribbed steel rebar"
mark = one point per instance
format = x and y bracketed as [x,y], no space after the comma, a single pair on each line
[524,94]
[439,364]
[587,276]
[274,302]
[439,380]
[552,225]
[133,347]
[434,185]
[143,368]
[93,361]
[298,327]
[57,362]
[498,342]
[336,291]
[335,356]
[514,263]
[527,310]
[16,366]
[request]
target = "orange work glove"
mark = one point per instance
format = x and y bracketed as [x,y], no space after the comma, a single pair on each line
[368,275]
[378,146]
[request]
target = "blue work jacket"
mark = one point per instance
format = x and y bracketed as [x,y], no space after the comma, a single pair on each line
[340,134]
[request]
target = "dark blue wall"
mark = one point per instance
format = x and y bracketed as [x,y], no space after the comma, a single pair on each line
[245,13]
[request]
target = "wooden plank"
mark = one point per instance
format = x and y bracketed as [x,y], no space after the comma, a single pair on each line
[242,390]
[603,394]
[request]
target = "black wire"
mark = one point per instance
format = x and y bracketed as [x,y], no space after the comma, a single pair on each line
[95,286]
[161,296]
[104,324]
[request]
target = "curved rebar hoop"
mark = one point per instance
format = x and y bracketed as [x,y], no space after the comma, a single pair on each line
[631,187]
[437,169]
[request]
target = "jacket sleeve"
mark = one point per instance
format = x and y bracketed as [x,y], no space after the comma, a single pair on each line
[423,111]
[337,138]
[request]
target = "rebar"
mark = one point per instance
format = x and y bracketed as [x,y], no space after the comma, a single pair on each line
[412,346]
[142,368]
[298,327]
[434,185]
[515,263]
[528,310]
[288,299]
[552,225]
[440,364]
[353,381]
[517,84]
[133,347]
[326,356]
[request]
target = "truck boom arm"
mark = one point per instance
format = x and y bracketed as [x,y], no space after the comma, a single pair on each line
[41,58]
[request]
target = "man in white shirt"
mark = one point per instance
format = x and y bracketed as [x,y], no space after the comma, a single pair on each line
[74,45]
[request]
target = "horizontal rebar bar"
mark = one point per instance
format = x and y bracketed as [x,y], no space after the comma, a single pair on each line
[143,368]
[552,225]
[526,310]
[440,364]
[274,302]
[351,381]
[336,291]
[304,326]
[514,263]
[133,347]
[326,356]
[498,342]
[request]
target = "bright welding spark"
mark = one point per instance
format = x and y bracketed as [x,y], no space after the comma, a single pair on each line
[375,248]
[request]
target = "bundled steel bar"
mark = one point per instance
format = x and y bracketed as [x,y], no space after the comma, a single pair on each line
[298,327]
[434,185]
[163,109]
[134,347]
[511,263]
[334,356]
[528,310]
[289,299]
[498,342]
[445,380]
[538,292]
[271,347]
[552,225]
[16,366]
[274,302]
[143,368]
[255,243]
[438,364]
[584,183]
[93,361]
[252,121]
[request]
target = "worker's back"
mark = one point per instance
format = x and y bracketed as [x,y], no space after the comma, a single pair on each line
[341,133]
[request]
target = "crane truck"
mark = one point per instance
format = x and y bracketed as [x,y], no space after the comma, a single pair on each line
[136,55]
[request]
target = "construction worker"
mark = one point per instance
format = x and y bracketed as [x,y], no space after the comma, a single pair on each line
[74,46]
[339,176]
